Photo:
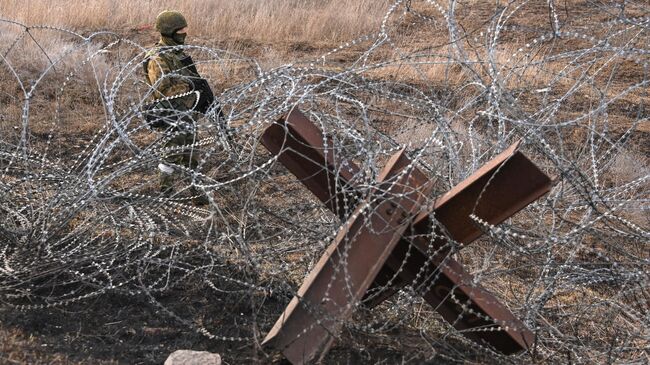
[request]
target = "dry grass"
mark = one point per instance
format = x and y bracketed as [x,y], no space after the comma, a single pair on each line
[260,20]
[274,31]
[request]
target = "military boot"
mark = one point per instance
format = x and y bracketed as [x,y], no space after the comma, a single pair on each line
[166,178]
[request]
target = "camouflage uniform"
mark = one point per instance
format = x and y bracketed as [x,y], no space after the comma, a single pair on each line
[169,76]
[166,68]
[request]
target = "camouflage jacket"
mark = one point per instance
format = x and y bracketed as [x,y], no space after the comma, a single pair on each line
[169,76]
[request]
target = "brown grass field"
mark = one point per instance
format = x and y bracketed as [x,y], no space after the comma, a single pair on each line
[274,21]
[119,330]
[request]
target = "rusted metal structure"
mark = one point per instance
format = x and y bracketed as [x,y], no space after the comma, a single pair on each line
[362,263]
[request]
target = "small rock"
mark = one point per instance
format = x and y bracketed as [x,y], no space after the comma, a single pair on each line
[187,357]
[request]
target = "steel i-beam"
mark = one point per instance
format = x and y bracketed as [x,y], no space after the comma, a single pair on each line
[495,192]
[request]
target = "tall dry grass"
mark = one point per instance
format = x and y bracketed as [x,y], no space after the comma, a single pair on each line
[261,20]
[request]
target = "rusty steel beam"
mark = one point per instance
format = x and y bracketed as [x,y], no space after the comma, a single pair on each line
[299,145]
[449,289]
[499,189]
[514,181]
[329,294]
[496,191]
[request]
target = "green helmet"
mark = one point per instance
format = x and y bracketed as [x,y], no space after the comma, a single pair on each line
[169,21]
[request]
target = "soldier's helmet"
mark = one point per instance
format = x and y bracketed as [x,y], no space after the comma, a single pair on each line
[170,21]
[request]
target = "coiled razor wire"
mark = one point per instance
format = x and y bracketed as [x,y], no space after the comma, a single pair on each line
[81,215]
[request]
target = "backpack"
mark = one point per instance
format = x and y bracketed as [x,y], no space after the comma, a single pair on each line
[206,97]
[165,112]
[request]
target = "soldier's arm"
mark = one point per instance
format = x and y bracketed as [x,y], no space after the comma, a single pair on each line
[158,71]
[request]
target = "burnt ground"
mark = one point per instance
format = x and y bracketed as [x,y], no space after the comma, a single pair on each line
[122,329]
[119,329]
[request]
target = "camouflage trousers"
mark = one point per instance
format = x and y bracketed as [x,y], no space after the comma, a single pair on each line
[179,153]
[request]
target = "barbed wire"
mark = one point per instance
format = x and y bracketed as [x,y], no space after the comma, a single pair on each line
[82,215]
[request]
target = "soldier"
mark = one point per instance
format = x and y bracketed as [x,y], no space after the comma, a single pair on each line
[171,73]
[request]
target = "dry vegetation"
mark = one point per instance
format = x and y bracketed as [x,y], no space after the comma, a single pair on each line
[276,32]
[265,21]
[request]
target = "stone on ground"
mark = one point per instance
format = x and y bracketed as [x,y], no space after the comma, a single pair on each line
[188,357]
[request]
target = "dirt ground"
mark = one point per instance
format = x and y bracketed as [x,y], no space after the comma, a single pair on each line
[120,329]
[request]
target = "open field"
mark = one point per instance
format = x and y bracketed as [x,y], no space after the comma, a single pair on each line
[275,21]
[97,267]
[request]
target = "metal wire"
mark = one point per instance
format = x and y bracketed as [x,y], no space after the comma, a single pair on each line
[81,215]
